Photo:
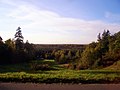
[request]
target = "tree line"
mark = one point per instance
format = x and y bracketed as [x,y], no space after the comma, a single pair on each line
[14,51]
[100,54]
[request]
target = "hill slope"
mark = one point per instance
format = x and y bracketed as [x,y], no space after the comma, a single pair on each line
[115,66]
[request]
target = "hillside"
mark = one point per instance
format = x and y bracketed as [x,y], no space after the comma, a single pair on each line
[115,66]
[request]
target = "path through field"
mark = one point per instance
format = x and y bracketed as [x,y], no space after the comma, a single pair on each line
[31,86]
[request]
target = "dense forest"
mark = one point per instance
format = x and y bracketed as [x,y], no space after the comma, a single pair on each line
[100,54]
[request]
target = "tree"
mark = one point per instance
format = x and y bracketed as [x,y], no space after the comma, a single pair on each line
[103,53]
[19,39]
[29,50]
[99,37]
[20,54]
[62,59]
[88,57]
[5,54]
[10,43]
[116,42]
[57,55]
[10,49]
[78,54]
[1,39]
[69,55]
[105,41]
[113,54]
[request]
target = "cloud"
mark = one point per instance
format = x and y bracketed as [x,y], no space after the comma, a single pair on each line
[42,23]
[52,20]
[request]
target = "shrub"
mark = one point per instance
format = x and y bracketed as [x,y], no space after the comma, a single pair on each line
[40,67]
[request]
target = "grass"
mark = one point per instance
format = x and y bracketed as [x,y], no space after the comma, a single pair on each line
[23,73]
[115,66]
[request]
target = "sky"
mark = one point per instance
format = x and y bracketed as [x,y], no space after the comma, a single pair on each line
[59,21]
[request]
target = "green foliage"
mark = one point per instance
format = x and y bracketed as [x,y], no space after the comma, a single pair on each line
[5,54]
[10,43]
[63,76]
[19,39]
[42,65]
[60,53]
[23,73]
[102,53]
[16,51]
[88,56]
[69,55]
[78,54]
[29,50]
[105,41]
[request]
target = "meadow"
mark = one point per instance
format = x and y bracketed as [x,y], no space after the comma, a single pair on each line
[55,74]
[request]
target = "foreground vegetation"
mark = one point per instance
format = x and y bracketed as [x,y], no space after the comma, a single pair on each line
[63,76]
[56,74]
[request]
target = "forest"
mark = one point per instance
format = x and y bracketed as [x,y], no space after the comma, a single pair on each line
[100,54]
[27,60]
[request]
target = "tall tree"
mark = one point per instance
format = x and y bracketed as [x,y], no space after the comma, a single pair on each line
[19,39]
[105,41]
[20,55]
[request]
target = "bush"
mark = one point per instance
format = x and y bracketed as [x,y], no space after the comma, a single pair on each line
[35,66]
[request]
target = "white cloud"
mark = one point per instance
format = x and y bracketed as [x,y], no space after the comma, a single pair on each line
[51,20]
[39,21]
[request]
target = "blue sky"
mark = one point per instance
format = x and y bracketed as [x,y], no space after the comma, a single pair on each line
[59,21]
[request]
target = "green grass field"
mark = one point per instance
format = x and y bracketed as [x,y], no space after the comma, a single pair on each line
[57,74]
